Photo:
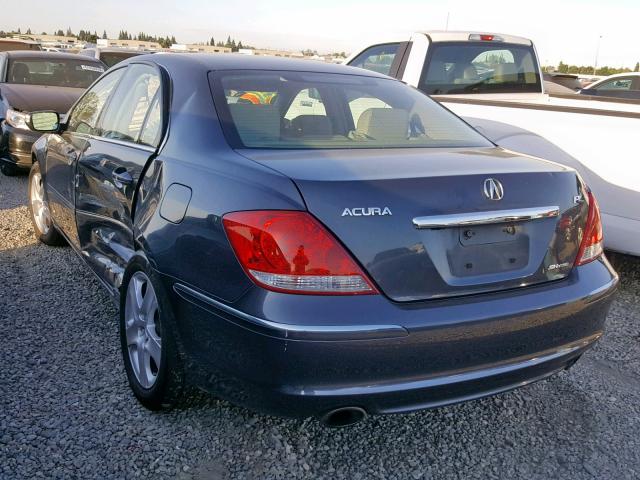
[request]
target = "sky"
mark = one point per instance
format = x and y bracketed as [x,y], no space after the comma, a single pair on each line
[567,30]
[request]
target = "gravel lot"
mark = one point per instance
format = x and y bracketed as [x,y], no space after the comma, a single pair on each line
[66,410]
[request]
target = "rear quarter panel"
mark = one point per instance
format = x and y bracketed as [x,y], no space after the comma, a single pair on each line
[196,251]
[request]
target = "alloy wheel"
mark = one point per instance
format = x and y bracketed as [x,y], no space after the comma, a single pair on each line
[142,328]
[39,207]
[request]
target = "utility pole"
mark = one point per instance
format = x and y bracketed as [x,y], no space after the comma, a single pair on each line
[595,68]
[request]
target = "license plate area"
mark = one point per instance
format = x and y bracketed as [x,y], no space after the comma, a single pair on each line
[489,249]
[485,234]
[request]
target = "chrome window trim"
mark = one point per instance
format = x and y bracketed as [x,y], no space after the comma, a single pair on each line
[486,218]
[124,143]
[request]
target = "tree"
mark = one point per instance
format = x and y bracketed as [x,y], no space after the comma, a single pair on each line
[60,33]
[28,31]
[69,32]
[104,34]
[637,67]
[19,31]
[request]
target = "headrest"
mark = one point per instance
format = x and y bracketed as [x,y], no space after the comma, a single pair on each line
[384,123]
[470,73]
[306,125]
[436,72]
[19,73]
[505,72]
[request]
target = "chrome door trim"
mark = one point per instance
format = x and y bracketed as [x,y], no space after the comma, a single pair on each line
[485,218]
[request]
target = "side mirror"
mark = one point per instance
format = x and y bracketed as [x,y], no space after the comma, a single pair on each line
[44,121]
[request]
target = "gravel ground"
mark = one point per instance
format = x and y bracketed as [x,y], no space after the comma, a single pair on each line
[66,410]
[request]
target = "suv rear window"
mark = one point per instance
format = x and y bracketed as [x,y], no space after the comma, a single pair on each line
[270,109]
[480,67]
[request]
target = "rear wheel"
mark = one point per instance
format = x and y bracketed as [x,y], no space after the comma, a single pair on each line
[149,350]
[43,226]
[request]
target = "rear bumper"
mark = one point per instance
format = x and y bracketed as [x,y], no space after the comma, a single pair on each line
[385,357]
[15,145]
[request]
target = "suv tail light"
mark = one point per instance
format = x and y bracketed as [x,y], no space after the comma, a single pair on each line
[591,246]
[290,251]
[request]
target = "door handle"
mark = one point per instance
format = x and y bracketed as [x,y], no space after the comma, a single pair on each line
[121,177]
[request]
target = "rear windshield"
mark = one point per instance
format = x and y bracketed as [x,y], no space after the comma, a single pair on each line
[480,67]
[56,73]
[111,58]
[272,109]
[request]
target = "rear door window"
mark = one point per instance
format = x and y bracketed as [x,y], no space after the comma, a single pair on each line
[134,99]
[378,58]
[480,67]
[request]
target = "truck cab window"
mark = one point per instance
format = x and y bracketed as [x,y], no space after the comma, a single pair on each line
[480,67]
[378,58]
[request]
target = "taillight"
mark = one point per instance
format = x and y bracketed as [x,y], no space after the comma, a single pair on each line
[592,241]
[290,251]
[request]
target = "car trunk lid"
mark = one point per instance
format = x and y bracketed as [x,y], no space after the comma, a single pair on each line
[421,221]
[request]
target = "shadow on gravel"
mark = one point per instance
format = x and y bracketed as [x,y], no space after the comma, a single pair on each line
[13,191]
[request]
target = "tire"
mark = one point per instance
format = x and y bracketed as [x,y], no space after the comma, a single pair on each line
[8,169]
[145,328]
[43,226]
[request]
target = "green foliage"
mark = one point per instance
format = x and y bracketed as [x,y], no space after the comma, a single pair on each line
[588,70]
[637,67]
[87,36]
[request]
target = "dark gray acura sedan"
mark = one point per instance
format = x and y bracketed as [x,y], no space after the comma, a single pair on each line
[316,240]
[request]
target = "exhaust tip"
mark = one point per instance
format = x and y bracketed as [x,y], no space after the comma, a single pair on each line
[343,417]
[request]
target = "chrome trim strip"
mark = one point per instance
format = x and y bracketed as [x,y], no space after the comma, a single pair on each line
[485,218]
[124,143]
[293,332]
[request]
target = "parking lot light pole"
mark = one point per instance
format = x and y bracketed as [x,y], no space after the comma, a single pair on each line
[595,67]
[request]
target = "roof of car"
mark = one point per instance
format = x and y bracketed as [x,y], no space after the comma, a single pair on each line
[44,55]
[236,61]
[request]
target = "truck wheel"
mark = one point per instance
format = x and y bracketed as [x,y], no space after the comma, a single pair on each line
[43,226]
[149,350]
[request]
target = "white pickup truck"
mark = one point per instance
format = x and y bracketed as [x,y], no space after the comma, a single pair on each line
[494,82]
